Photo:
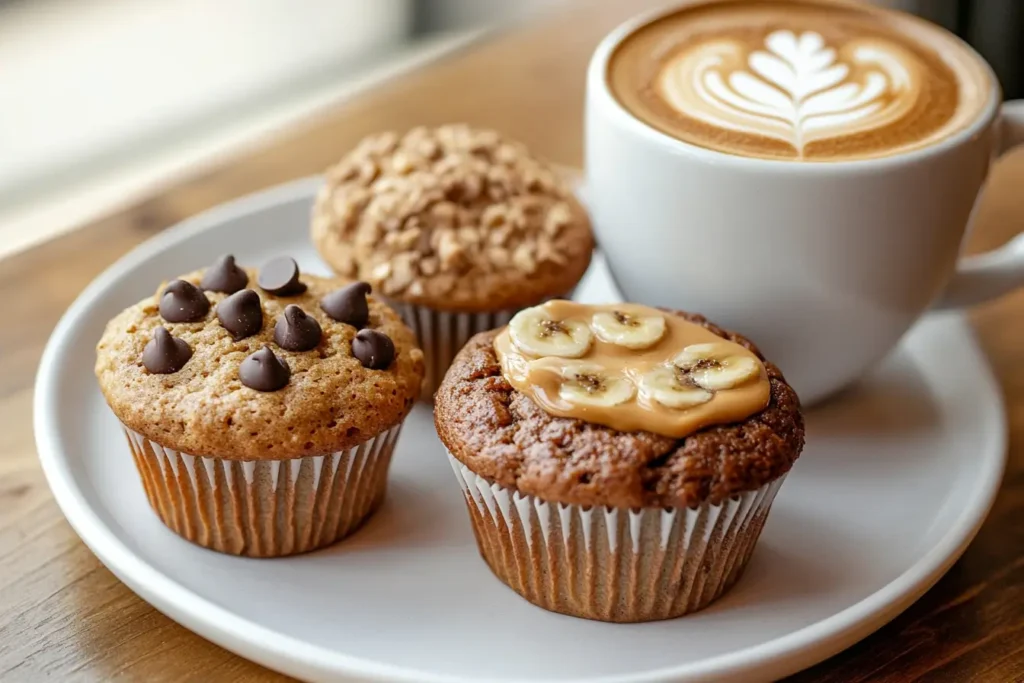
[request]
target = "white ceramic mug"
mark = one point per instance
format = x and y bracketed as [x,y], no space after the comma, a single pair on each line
[823,265]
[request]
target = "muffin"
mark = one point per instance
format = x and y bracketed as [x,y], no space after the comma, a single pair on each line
[618,462]
[261,407]
[457,228]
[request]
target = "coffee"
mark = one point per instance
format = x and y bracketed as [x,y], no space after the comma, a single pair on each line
[810,80]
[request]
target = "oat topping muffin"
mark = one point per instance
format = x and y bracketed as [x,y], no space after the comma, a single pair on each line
[606,523]
[262,407]
[459,228]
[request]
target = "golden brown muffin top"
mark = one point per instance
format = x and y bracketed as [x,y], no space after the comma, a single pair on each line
[505,437]
[452,218]
[330,402]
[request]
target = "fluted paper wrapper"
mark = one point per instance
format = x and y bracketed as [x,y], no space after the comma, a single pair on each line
[264,508]
[614,564]
[441,335]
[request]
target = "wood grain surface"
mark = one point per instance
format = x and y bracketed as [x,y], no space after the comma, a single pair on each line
[64,617]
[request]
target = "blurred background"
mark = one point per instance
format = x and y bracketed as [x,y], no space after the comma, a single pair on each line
[105,101]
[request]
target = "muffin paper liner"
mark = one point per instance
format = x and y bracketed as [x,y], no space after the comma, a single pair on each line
[614,564]
[264,508]
[441,335]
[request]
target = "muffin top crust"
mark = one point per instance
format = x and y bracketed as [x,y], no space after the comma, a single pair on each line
[453,218]
[506,437]
[268,374]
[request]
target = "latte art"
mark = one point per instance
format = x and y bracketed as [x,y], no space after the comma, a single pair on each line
[801,80]
[795,90]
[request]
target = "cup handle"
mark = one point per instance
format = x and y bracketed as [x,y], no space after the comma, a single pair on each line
[994,273]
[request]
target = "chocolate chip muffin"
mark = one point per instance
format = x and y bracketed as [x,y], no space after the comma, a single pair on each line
[459,228]
[261,407]
[618,462]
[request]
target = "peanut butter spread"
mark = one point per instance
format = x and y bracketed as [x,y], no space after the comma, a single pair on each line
[630,367]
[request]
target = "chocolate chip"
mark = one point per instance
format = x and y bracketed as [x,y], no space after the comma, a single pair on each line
[348,304]
[241,314]
[374,349]
[263,371]
[296,331]
[280,277]
[224,276]
[165,354]
[183,302]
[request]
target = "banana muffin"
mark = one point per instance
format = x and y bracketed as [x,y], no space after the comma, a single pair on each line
[458,228]
[618,462]
[261,407]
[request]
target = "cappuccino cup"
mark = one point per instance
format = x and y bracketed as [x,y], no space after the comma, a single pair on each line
[800,171]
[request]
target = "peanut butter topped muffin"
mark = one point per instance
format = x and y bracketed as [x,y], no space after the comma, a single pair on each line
[458,227]
[630,454]
[264,392]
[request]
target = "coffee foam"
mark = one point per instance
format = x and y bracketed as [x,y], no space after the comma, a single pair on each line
[799,80]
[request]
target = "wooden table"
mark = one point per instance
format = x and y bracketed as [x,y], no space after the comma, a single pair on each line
[64,616]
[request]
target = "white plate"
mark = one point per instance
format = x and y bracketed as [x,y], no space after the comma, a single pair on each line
[896,479]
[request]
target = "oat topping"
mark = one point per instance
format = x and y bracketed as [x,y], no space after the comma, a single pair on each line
[416,214]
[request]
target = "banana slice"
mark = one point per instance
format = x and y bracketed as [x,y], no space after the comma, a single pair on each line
[716,366]
[536,333]
[589,384]
[672,387]
[628,330]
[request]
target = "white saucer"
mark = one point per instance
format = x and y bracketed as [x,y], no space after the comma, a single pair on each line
[896,479]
